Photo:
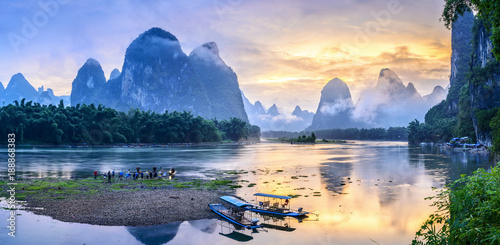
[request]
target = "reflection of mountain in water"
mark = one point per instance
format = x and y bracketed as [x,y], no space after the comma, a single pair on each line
[335,173]
[376,164]
[436,161]
[204,225]
[155,234]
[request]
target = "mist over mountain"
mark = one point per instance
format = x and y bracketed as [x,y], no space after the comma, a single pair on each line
[158,76]
[273,111]
[437,95]
[273,119]
[335,107]
[304,114]
[220,82]
[389,104]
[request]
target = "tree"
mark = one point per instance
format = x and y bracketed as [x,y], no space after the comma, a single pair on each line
[235,129]
[487,10]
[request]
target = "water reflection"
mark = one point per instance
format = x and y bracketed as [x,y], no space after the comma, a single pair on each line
[156,234]
[383,186]
[204,225]
[40,162]
[447,164]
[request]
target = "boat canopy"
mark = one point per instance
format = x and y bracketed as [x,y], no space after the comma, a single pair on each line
[235,201]
[271,195]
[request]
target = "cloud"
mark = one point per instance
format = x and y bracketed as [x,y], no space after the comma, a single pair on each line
[340,105]
[308,41]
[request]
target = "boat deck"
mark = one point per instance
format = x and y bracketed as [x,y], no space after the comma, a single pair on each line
[236,216]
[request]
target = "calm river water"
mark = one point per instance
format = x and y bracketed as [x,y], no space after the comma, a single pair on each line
[364,192]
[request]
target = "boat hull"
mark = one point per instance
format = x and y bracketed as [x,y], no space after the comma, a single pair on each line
[266,211]
[217,209]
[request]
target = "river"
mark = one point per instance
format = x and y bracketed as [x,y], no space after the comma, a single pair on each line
[364,192]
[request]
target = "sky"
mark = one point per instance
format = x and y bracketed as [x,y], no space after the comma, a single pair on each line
[283,51]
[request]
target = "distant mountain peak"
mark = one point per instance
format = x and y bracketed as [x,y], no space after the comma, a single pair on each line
[92,62]
[212,46]
[158,32]
[152,45]
[411,91]
[89,80]
[114,74]
[19,88]
[209,52]
[438,89]
[273,111]
[297,110]
[389,77]
[334,90]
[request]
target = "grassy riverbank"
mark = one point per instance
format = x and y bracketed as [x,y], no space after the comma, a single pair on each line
[122,203]
[54,188]
[468,212]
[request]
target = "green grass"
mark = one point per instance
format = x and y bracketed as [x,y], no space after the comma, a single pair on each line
[62,188]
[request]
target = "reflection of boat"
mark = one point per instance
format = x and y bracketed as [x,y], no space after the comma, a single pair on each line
[282,223]
[278,227]
[237,236]
[235,214]
[280,206]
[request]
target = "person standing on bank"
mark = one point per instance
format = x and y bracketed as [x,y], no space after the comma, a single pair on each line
[109,177]
[95,174]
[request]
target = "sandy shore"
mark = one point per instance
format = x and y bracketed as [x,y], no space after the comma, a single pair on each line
[134,208]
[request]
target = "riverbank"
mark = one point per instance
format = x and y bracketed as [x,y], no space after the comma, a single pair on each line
[122,203]
[135,145]
[294,141]
[481,150]
[138,208]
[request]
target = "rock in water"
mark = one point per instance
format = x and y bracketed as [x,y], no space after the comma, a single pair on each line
[88,83]
[220,82]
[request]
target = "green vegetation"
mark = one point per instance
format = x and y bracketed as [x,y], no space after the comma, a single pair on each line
[34,123]
[439,126]
[487,10]
[63,188]
[392,133]
[495,131]
[468,211]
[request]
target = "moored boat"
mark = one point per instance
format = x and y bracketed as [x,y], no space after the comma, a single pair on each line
[235,214]
[275,205]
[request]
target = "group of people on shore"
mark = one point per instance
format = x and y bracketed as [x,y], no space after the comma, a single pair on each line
[128,175]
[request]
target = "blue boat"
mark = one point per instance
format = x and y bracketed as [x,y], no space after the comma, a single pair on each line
[236,214]
[280,206]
